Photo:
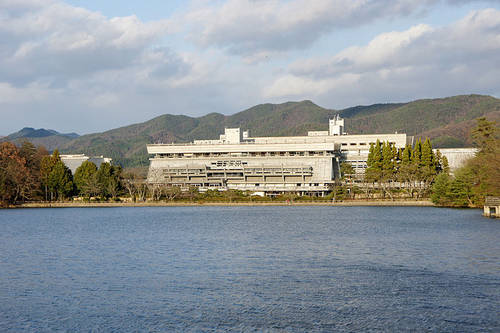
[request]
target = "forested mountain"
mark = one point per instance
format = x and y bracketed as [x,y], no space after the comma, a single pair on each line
[43,137]
[447,121]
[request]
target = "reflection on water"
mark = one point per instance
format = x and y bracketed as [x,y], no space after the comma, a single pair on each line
[249,269]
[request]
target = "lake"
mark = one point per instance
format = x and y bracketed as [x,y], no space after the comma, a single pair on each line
[271,269]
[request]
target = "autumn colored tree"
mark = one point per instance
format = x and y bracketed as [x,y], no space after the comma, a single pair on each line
[486,164]
[33,156]
[13,174]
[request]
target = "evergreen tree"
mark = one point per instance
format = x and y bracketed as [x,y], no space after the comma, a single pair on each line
[369,160]
[427,157]
[441,190]
[396,155]
[374,168]
[460,192]
[387,162]
[439,161]
[346,169]
[445,165]
[428,163]
[406,155]
[417,153]
[485,135]
[85,179]
[109,180]
[47,165]
[60,181]
[405,171]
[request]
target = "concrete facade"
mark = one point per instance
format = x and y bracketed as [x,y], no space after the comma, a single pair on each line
[457,157]
[273,165]
[75,160]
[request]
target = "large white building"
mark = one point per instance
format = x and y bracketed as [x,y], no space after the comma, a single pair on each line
[272,165]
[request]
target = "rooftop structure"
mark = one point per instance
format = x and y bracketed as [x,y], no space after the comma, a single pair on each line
[273,165]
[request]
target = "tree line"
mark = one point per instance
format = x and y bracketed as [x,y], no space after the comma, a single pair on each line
[411,169]
[30,173]
[480,177]
[423,173]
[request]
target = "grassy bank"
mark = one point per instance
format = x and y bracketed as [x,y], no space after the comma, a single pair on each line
[382,203]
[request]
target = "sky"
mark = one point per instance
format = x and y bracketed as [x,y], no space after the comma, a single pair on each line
[87,66]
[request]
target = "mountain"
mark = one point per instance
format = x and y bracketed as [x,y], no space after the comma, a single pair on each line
[127,145]
[29,132]
[46,137]
[447,121]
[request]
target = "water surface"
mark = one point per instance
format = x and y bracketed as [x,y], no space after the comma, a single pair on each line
[289,269]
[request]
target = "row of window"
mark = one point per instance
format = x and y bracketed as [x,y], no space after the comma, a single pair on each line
[249,154]
[360,143]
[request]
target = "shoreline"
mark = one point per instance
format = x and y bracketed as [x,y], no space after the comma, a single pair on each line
[354,203]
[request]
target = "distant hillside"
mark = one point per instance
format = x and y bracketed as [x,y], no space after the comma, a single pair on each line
[447,121]
[127,145]
[46,137]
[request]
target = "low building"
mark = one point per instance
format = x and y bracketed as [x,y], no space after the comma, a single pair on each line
[492,207]
[75,160]
[457,157]
[273,165]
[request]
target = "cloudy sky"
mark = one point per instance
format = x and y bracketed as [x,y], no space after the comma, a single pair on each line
[91,65]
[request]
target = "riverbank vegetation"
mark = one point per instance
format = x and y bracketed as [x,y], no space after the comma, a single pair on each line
[30,174]
[480,177]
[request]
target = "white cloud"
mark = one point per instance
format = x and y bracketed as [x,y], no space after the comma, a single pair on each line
[249,27]
[70,68]
[73,69]
[463,57]
[31,93]
[58,41]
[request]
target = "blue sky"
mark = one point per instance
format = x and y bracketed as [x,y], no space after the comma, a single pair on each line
[88,66]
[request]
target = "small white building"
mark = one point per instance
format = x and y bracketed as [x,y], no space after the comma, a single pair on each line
[75,160]
[492,207]
[457,157]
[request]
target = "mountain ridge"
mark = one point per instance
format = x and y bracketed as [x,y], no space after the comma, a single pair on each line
[30,132]
[447,121]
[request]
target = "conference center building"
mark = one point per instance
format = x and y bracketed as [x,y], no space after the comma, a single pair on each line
[265,165]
